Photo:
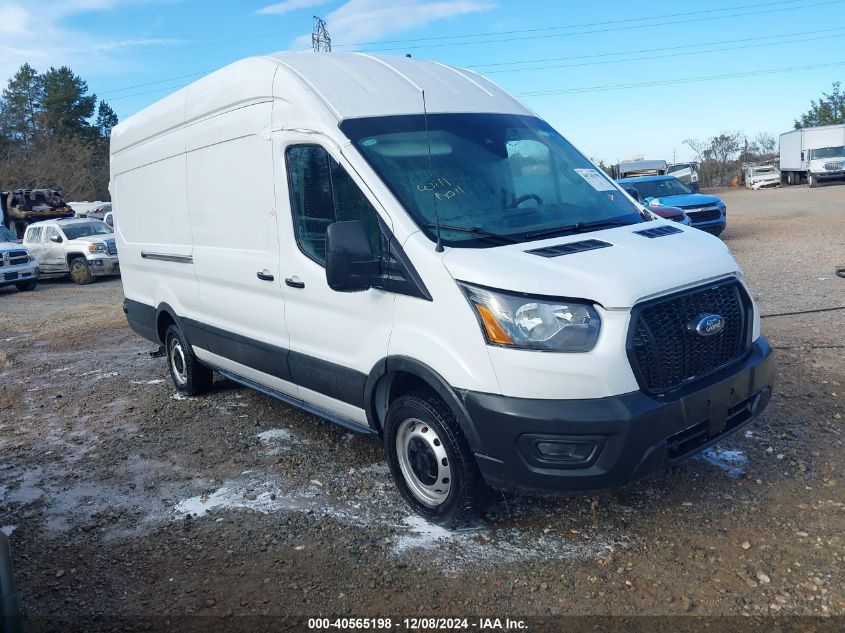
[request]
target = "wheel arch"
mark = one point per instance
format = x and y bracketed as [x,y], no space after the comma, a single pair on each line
[69,257]
[395,375]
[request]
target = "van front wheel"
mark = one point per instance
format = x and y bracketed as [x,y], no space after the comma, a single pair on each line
[189,375]
[431,461]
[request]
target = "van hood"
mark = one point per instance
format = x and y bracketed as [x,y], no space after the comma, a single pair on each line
[632,268]
[688,200]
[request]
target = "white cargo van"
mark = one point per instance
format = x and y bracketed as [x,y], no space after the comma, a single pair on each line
[404,249]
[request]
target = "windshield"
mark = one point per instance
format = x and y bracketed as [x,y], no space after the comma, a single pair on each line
[488,176]
[75,231]
[660,188]
[6,235]
[827,152]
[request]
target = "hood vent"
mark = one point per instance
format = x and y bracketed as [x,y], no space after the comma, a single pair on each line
[660,231]
[569,249]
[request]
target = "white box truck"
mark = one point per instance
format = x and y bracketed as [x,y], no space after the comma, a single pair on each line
[403,248]
[814,153]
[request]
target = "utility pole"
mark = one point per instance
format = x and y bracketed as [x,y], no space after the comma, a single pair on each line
[321,41]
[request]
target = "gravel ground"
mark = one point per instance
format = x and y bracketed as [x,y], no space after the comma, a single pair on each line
[126,499]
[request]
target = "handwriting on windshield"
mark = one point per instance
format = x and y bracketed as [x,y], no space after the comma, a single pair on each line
[442,189]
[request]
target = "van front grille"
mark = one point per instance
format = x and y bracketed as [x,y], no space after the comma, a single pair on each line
[667,353]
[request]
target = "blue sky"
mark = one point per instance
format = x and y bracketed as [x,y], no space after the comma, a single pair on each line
[620,78]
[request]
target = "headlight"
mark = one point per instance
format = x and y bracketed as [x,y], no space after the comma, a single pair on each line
[96,248]
[511,320]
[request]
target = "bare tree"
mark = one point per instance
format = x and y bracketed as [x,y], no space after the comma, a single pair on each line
[716,157]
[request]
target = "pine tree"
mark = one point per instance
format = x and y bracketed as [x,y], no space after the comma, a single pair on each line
[106,119]
[21,106]
[66,105]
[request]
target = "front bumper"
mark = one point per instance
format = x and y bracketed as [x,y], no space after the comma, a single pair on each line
[634,434]
[104,265]
[24,273]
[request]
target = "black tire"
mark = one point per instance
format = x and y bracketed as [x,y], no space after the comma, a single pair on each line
[27,286]
[189,375]
[80,271]
[812,181]
[462,497]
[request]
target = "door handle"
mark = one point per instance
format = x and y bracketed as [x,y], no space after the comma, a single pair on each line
[265,275]
[295,282]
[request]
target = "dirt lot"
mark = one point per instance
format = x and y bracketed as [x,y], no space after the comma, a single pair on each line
[126,499]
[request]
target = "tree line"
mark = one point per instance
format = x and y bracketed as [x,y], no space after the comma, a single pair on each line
[722,157]
[54,134]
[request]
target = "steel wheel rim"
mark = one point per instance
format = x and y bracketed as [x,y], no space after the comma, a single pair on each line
[178,365]
[423,462]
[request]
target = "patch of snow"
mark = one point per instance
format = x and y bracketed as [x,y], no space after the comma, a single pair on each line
[422,535]
[733,462]
[238,495]
[8,529]
[110,374]
[180,396]
[274,435]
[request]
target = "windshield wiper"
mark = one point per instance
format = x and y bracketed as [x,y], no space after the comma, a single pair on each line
[477,231]
[578,227]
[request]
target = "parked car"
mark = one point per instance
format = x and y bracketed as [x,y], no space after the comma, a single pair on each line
[705,212]
[687,173]
[97,209]
[454,277]
[18,266]
[761,176]
[83,248]
[667,213]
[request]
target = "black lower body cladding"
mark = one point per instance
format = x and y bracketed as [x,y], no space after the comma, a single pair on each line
[553,445]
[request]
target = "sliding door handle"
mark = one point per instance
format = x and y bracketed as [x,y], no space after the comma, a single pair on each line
[295,282]
[265,275]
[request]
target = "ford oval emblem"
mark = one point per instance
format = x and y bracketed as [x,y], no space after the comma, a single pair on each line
[707,324]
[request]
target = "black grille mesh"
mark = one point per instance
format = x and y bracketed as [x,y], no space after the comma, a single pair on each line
[665,353]
[704,216]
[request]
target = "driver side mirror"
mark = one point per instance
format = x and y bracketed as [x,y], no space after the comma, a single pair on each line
[349,257]
[56,238]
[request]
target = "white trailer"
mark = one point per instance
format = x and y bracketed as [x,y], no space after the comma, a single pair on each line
[814,153]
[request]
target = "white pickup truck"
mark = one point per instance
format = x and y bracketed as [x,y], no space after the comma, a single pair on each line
[83,248]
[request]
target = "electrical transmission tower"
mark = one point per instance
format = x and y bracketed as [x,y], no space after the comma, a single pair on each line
[321,41]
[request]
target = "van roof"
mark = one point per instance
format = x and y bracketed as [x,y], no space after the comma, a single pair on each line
[320,90]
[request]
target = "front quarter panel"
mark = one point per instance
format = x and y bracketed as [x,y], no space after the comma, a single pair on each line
[443,333]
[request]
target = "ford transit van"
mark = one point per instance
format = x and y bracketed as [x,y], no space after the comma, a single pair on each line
[404,249]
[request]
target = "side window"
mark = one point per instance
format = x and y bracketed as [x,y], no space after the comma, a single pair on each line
[33,235]
[49,232]
[322,192]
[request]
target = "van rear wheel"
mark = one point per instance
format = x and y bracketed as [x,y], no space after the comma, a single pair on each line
[431,461]
[189,375]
